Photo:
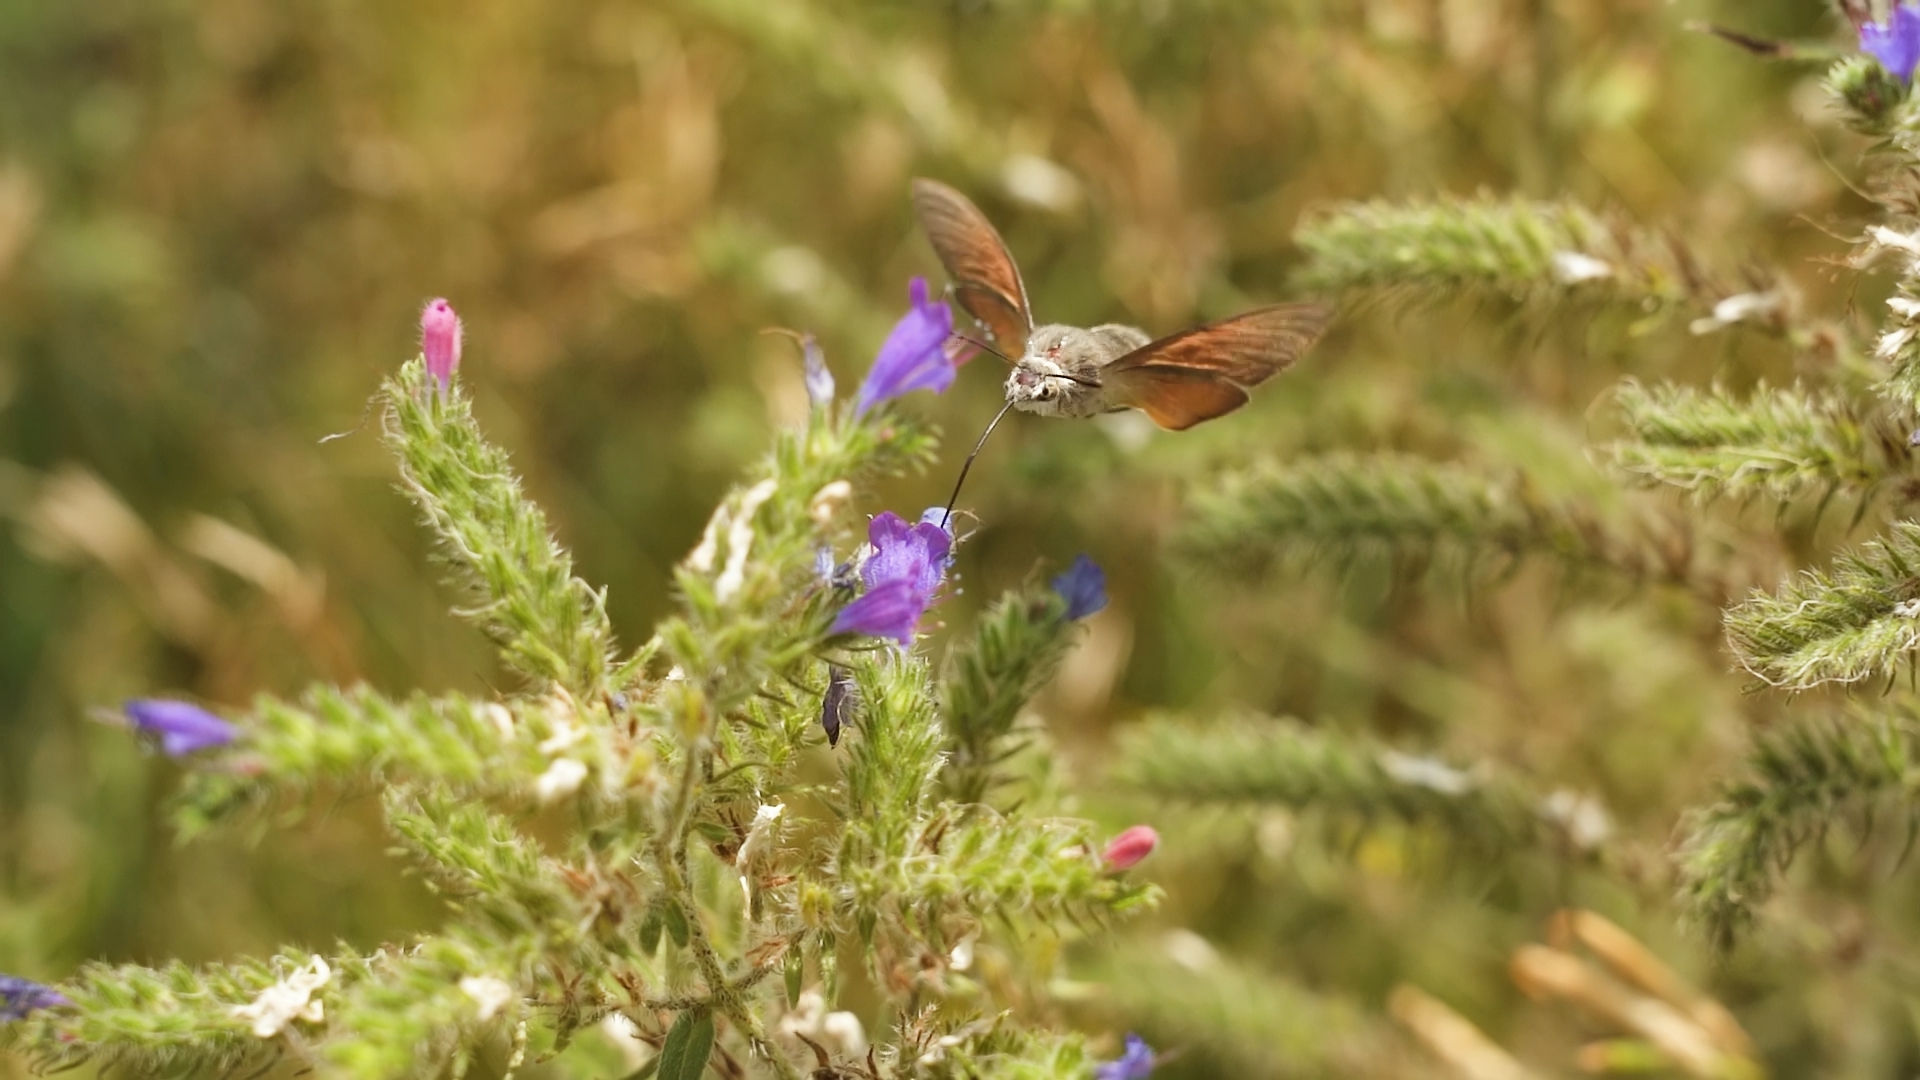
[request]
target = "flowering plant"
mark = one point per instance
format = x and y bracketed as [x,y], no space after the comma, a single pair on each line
[729,865]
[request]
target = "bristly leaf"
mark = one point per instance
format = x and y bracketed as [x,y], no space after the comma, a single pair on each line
[683,1056]
[549,624]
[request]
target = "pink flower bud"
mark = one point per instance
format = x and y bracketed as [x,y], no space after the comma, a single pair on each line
[1131,846]
[440,340]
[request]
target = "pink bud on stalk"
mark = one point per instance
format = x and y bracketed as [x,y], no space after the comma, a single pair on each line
[440,340]
[1130,847]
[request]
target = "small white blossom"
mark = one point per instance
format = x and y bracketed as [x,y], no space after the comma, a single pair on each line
[1742,307]
[1897,241]
[501,719]
[1583,816]
[561,779]
[563,737]
[1893,342]
[1572,267]
[827,500]
[759,834]
[1905,307]
[1907,609]
[961,958]
[1426,772]
[740,540]
[487,992]
[839,1030]
[288,1000]
[701,559]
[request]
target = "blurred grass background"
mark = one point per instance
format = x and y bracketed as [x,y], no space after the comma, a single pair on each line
[218,221]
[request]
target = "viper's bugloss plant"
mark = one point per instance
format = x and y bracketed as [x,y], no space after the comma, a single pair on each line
[760,802]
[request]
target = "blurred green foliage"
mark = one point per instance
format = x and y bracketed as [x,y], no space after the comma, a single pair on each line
[218,221]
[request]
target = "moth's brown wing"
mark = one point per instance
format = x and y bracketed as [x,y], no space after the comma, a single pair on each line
[1178,398]
[986,281]
[1202,373]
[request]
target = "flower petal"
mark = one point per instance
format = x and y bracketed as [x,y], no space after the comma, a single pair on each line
[18,997]
[914,356]
[891,609]
[1083,586]
[182,728]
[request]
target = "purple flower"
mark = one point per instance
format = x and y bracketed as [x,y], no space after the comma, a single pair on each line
[182,728]
[1083,587]
[440,340]
[1895,43]
[905,570]
[915,553]
[833,707]
[915,355]
[18,997]
[1135,1064]
[819,379]
[891,610]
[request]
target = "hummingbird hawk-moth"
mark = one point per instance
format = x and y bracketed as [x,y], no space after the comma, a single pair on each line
[1179,380]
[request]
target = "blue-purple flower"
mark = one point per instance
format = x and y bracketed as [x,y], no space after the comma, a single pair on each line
[182,728]
[915,355]
[1896,42]
[1136,1063]
[18,997]
[1083,587]
[902,574]
[819,380]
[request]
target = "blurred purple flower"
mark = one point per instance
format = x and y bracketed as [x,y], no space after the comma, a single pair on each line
[182,728]
[1136,1063]
[902,574]
[18,997]
[1895,43]
[440,340]
[915,355]
[833,707]
[1083,586]
[819,379]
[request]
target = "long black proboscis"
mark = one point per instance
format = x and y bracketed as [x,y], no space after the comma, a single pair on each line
[947,516]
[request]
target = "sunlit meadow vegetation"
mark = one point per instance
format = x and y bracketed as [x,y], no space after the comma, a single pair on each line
[1522,684]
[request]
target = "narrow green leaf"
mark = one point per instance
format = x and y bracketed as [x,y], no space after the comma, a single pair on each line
[650,928]
[684,1054]
[676,924]
[796,973]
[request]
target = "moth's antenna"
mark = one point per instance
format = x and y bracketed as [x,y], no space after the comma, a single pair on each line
[947,515]
[978,344]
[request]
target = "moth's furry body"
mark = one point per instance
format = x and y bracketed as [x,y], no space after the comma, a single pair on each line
[1179,380]
[1059,375]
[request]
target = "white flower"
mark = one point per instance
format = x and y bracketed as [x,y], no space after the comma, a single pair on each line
[740,541]
[839,1030]
[288,1000]
[759,834]
[961,958]
[561,779]
[1425,772]
[1583,816]
[489,993]
[1907,608]
[1899,241]
[1572,267]
[501,718]
[828,499]
[1741,307]
[563,737]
